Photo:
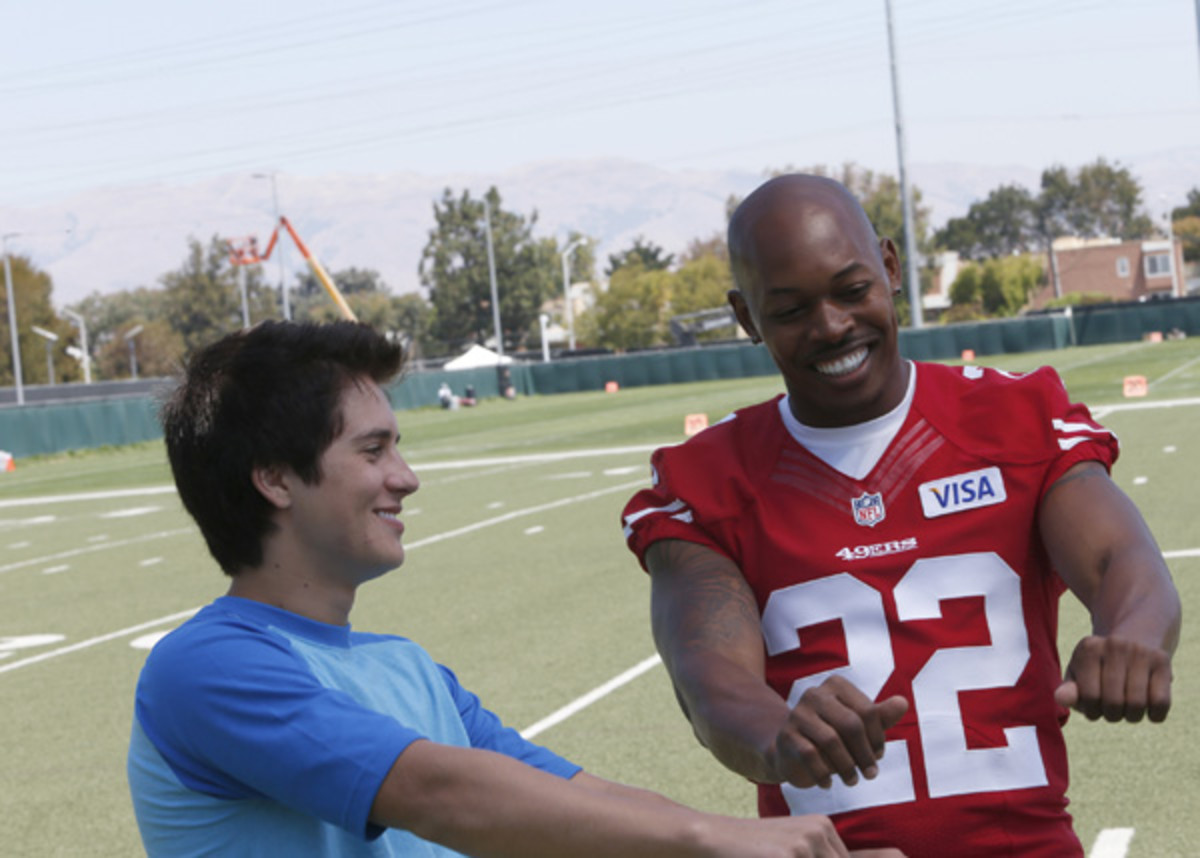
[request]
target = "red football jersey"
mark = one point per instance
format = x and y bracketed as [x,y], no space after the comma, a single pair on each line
[927,578]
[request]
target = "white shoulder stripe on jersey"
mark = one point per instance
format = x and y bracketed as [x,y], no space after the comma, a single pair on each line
[1064,426]
[673,507]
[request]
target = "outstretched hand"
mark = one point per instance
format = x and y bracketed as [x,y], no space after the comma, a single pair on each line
[833,730]
[1117,679]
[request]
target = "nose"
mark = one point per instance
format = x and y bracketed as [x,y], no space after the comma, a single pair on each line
[832,322]
[401,478]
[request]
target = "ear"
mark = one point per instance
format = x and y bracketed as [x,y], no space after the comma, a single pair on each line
[272,483]
[742,310]
[891,264]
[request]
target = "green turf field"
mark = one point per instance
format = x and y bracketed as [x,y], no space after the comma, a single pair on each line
[518,579]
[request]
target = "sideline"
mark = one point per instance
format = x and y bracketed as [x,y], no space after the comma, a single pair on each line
[585,700]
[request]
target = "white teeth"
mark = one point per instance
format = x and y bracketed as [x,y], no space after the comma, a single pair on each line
[391,515]
[843,365]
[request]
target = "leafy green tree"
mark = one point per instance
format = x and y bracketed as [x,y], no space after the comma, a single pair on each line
[203,300]
[310,300]
[1187,230]
[1101,199]
[995,287]
[713,246]
[454,268]
[109,316]
[1185,222]
[645,253]
[629,314]
[415,320]
[158,347]
[32,289]
[1002,224]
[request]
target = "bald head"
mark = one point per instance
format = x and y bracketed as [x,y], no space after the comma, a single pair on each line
[798,209]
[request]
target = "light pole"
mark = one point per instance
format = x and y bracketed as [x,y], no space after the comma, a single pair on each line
[84,357]
[51,338]
[287,307]
[566,271]
[543,321]
[130,335]
[1175,291]
[12,319]
[491,254]
[910,222]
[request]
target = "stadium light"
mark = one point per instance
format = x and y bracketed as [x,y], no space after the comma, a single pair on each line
[130,336]
[84,357]
[566,271]
[51,338]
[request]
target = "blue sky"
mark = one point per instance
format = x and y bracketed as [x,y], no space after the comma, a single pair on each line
[130,92]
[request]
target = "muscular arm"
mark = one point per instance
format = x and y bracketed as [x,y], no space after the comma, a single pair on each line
[707,627]
[1103,550]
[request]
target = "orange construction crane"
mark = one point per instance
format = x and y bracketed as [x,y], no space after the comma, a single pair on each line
[244,251]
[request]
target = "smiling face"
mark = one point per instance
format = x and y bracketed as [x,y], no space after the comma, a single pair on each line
[345,527]
[816,286]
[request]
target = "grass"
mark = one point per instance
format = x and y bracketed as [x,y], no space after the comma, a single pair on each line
[535,605]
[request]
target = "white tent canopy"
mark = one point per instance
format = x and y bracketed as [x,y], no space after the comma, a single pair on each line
[475,356]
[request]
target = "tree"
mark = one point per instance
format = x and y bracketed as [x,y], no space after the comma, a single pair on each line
[645,253]
[311,301]
[629,314]
[203,302]
[158,348]
[1100,200]
[1002,224]
[109,316]
[32,289]
[415,319]
[995,287]
[454,268]
[1185,223]
[713,246]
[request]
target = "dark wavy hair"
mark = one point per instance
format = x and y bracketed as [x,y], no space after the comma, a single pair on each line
[268,395]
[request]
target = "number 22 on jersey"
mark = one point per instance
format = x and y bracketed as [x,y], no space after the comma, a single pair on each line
[951,768]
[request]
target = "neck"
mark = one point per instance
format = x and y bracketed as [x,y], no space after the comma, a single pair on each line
[296,590]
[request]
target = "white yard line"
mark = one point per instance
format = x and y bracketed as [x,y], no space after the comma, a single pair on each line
[1112,843]
[1175,371]
[600,691]
[520,513]
[91,642]
[451,534]
[1099,411]
[97,546]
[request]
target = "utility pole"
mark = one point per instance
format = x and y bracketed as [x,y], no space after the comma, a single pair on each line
[487,229]
[910,224]
[283,291]
[12,320]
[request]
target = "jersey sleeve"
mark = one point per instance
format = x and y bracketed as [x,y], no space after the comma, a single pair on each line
[1078,436]
[486,731]
[680,503]
[243,718]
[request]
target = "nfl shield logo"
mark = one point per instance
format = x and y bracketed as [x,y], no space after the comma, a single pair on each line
[868,509]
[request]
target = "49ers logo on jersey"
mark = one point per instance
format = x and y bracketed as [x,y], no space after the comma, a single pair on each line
[962,492]
[868,509]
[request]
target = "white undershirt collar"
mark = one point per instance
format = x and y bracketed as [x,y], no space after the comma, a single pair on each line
[853,450]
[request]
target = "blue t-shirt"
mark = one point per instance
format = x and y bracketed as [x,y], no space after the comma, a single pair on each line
[260,732]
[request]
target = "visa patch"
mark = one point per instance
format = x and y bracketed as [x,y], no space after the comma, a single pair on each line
[961,492]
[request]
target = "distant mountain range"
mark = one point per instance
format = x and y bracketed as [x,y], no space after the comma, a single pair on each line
[120,238]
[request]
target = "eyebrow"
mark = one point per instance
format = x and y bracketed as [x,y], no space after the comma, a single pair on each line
[380,434]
